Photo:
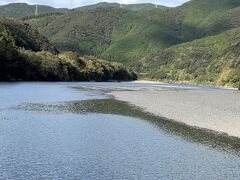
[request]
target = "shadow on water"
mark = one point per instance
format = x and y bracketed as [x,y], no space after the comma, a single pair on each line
[212,139]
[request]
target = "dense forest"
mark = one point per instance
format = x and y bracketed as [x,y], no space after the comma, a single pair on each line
[21,10]
[197,42]
[26,55]
[132,7]
[214,60]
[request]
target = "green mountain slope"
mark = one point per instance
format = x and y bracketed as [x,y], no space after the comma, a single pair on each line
[112,33]
[213,60]
[17,63]
[127,36]
[209,17]
[26,37]
[197,42]
[21,10]
[132,7]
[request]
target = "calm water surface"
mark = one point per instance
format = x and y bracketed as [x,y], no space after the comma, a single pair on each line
[55,131]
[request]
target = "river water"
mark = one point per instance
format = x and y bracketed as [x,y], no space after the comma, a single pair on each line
[74,131]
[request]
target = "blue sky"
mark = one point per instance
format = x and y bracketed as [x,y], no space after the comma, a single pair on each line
[77,3]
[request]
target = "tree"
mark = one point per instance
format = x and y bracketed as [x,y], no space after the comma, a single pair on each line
[7,46]
[8,55]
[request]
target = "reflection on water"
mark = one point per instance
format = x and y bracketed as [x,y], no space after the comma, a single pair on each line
[52,131]
[112,106]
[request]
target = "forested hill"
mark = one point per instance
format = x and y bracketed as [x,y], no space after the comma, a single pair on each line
[213,60]
[26,37]
[120,34]
[21,10]
[131,37]
[132,7]
[186,43]
[112,33]
[26,55]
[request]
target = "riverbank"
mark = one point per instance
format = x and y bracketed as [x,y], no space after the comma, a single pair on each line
[213,110]
[143,81]
[148,82]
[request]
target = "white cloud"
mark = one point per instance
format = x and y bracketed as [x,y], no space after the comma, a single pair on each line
[77,3]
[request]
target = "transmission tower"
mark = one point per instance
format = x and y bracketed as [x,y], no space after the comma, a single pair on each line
[36,10]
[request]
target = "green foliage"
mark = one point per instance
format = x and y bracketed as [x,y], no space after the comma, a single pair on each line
[132,7]
[17,63]
[7,45]
[213,60]
[112,33]
[21,10]
[209,17]
[7,53]
[96,69]
[196,42]
[107,31]
[26,37]
[42,15]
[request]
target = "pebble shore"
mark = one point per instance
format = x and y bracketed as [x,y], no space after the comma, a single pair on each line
[213,110]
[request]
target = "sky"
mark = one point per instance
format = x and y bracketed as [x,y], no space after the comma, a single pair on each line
[78,3]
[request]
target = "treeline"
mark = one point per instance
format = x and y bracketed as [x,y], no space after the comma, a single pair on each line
[193,42]
[214,60]
[26,37]
[42,15]
[19,62]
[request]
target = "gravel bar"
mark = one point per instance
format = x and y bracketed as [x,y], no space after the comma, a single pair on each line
[213,110]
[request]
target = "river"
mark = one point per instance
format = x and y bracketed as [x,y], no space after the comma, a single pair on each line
[75,131]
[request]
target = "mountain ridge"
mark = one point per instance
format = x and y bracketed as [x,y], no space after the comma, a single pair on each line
[21,10]
[133,7]
[139,38]
[134,34]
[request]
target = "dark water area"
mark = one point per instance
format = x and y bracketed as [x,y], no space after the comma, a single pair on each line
[66,131]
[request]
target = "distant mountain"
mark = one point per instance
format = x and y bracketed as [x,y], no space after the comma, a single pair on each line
[112,33]
[127,36]
[21,10]
[133,7]
[26,55]
[197,41]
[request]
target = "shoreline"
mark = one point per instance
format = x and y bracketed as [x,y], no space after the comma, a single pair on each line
[216,111]
[148,82]
[143,81]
